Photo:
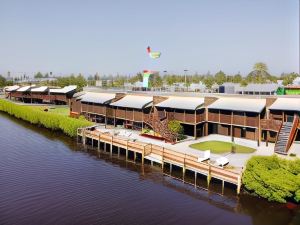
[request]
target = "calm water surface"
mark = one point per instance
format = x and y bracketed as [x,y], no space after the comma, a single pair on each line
[46,178]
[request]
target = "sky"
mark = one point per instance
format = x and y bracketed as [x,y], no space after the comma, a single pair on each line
[111,36]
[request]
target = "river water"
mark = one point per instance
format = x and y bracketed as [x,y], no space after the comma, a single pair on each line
[47,178]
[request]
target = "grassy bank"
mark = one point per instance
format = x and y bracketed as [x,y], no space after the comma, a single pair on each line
[219,147]
[273,178]
[50,120]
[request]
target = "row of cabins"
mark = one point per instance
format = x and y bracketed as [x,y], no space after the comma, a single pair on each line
[44,94]
[250,118]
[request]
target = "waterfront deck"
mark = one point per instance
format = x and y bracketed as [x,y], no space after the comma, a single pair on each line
[160,155]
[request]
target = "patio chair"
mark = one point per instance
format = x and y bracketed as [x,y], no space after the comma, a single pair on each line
[222,161]
[206,156]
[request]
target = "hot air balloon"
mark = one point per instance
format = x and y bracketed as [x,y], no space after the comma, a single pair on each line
[153,55]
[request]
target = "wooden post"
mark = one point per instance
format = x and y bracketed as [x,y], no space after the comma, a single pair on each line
[223,187]
[127,151]
[104,146]
[83,137]
[238,189]
[111,145]
[208,176]
[118,152]
[170,168]
[134,156]
[143,155]
[195,179]
[195,131]
[99,141]
[267,138]
[162,159]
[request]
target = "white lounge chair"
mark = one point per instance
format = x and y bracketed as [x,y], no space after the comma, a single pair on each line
[206,156]
[222,161]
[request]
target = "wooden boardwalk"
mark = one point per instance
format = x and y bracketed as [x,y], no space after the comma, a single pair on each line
[160,155]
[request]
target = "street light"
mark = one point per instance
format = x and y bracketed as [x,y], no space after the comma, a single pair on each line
[185,78]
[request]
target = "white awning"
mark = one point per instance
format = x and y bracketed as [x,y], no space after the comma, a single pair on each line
[239,104]
[100,98]
[286,104]
[134,101]
[64,90]
[12,88]
[189,103]
[39,89]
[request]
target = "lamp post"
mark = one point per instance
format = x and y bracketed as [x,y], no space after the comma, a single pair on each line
[185,79]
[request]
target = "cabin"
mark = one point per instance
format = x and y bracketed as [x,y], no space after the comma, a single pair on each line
[236,117]
[189,111]
[61,96]
[94,106]
[130,111]
[285,111]
[22,94]
[39,94]
[9,91]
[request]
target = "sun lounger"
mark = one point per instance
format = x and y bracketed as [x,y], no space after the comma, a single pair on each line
[206,156]
[222,161]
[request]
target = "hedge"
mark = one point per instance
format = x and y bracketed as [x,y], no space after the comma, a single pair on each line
[273,178]
[49,120]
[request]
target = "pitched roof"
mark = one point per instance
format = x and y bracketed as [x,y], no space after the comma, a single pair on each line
[133,101]
[23,89]
[12,88]
[239,104]
[286,104]
[100,98]
[64,90]
[189,103]
[39,89]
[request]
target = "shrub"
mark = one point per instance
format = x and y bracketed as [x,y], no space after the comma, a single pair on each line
[175,127]
[49,120]
[273,178]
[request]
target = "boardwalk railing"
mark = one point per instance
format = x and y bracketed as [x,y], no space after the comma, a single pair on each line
[186,161]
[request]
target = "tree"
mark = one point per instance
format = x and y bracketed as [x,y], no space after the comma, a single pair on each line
[209,81]
[220,77]
[155,80]
[244,83]
[2,81]
[38,75]
[237,78]
[288,78]
[259,73]
[175,127]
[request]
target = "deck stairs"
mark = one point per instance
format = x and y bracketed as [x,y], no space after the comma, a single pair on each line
[286,136]
[159,125]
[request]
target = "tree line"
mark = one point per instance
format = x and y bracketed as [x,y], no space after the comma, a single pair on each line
[259,74]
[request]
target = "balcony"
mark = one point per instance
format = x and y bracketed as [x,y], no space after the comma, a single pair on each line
[99,109]
[225,118]
[270,124]
[213,117]
[120,113]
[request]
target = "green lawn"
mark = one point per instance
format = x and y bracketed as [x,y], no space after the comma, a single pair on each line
[219,147]
[62,110]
